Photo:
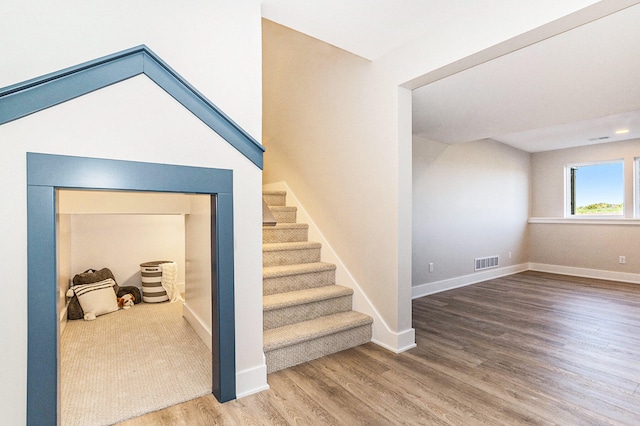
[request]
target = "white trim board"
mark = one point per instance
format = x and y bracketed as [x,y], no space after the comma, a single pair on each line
[248,381]
[449,284]
[426,289]
[251,380]
[197,324]
[600,274]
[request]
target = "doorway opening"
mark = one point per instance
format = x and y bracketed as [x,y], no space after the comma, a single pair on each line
[151,355]
[46,174]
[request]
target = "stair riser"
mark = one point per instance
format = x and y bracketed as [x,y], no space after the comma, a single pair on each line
[290,257]
[284,235]
[289,356]
[284,216]
[302,317]
[275,199]
[308,311]
[297,282]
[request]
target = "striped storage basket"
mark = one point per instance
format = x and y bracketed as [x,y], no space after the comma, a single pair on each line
[152,290]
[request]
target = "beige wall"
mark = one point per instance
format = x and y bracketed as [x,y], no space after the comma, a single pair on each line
[338,130]
[331,133]
[216,47]
[575,244]
[587,246]
[469,200]
[548,178]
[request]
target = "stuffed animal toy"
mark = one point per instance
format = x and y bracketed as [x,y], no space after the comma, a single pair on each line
[75,310]
[126,301]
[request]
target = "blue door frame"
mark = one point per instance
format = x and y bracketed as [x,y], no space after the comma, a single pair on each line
[47,173]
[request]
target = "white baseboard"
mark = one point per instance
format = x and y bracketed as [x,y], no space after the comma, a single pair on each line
[465,280]
[400,342]
[63,318]
[444,285]
[586,273]
[382,334]
[249,381]
[252,380]
[197,324]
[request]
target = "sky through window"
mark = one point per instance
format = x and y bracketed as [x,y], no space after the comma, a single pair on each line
[599,183]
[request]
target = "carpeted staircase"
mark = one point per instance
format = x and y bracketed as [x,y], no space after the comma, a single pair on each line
[306,315]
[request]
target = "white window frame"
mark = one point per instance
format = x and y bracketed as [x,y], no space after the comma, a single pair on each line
[568,185]
[636,187]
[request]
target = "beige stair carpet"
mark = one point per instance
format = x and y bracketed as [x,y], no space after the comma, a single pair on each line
[308,340]
[305,314]
[129,363]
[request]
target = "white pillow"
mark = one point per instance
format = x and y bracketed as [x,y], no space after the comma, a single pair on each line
[97,298]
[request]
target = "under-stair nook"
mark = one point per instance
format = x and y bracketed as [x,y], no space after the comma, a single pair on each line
[205,163]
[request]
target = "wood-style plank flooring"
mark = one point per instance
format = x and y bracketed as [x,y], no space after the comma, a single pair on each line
[531,348]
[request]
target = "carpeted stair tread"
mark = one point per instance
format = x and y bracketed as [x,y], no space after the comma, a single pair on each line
[274,198]
[292,298]
[278,254]
[303,268]
[284,214]
[288,226]
[288,335]
[296,245]
[274,192]
[305,314]
[285,233]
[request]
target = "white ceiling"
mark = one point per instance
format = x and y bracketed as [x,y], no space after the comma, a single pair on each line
[559,93]
[562,92]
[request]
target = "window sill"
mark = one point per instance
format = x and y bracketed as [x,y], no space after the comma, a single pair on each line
[586,221]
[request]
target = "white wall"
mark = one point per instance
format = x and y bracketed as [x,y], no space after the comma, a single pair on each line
[198,255]
[469,200]
[122,242]
[63,248]
[215,45]
[206,41]
[582,245]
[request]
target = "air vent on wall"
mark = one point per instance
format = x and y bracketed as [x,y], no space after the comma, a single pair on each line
[601,138]
[486,262]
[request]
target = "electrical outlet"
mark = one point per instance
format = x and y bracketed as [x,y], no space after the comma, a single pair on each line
[509,255]
[622,259]
[431,267]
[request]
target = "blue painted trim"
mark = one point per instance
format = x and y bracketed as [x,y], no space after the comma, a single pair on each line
[225,367]
[45,174]
[165,77]
[42,359]
[34,95]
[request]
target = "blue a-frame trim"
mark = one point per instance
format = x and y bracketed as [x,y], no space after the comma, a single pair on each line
[47,173]
[43,92]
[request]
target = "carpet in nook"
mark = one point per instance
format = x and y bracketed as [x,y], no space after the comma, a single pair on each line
[129,363]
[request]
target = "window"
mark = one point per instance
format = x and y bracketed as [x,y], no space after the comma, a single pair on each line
[595,189]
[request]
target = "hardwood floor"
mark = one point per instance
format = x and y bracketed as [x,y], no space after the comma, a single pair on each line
[531,348]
